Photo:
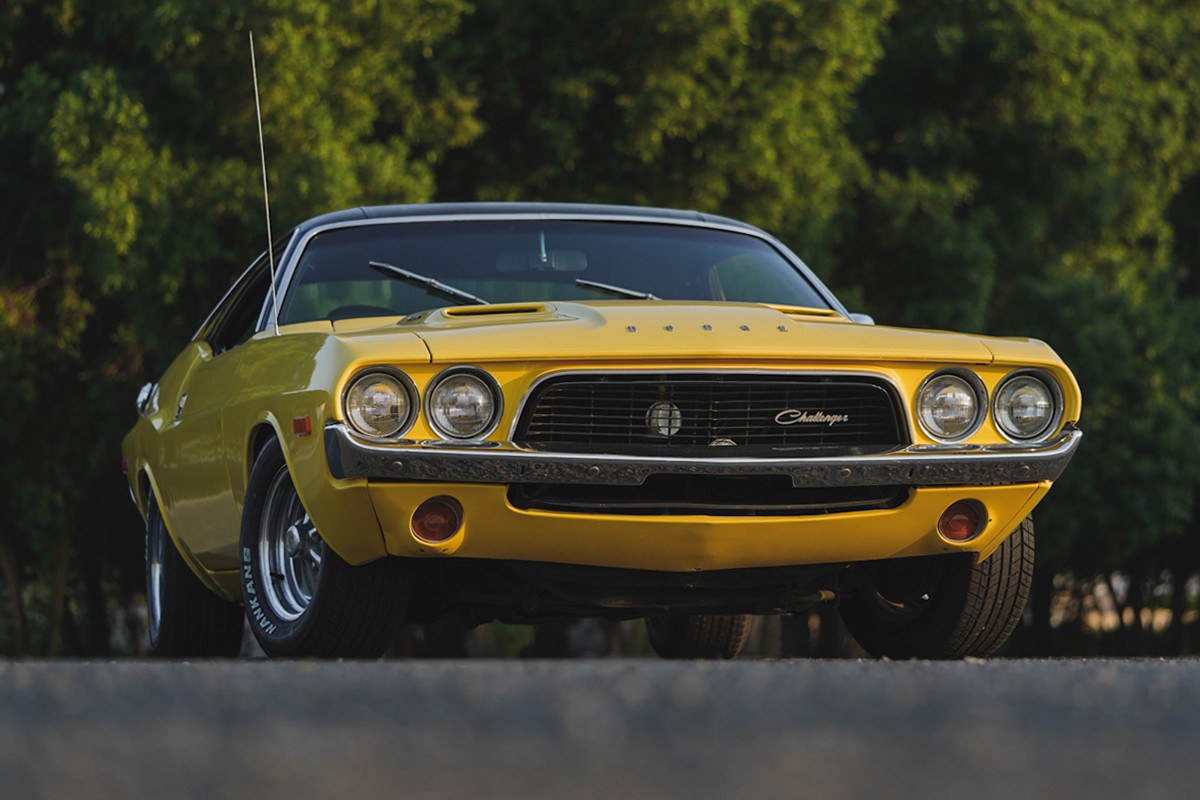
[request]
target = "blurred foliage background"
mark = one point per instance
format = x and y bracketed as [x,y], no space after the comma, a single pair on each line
[1015,167]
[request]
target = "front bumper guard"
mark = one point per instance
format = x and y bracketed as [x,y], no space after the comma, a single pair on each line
[486,462]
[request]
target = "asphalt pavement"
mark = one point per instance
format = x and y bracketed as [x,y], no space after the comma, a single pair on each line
[612,729]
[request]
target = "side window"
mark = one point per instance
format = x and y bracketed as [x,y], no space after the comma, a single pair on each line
[235,320]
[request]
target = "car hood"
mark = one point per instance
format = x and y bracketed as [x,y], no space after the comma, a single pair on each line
[623,330]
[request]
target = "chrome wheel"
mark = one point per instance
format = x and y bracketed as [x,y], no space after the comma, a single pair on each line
[301,598]
[184,619]
[155,553]
[289,549]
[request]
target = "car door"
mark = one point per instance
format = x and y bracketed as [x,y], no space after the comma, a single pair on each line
[193,472]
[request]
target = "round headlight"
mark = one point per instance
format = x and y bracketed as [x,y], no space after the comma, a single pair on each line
[463,405]
[949,406]
[378,405]
[1027,406]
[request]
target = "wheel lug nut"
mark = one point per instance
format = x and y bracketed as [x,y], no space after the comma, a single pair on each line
[291,542]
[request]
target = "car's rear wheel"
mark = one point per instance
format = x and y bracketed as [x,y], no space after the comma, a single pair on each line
[301,598]
[698,635]
[947,606]
[184,618]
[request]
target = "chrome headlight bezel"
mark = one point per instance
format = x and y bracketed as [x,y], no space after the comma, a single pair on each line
[972,382]
[486,381]
[407,387]
[1054,390]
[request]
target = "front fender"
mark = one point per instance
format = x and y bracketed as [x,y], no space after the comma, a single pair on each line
[341,509]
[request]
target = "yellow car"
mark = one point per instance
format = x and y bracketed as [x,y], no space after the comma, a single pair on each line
[539,412]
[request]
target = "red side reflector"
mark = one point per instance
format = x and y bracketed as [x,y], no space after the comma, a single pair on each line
[302,426]
[437,519]
[124,466]
[961,521]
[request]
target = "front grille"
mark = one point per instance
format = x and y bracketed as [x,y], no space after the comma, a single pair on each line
[714,415]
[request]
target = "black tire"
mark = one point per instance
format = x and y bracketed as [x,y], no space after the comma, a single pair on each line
[945,607]
[302,599]
[698,635]
[185,619]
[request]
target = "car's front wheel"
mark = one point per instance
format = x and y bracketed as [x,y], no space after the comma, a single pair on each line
[698,635]
[301,598]
[945,606]
[184,618]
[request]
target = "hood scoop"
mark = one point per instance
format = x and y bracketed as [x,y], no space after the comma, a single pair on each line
[500,309]
[474,315]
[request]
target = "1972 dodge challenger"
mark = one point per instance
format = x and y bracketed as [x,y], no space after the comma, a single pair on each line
[536,412]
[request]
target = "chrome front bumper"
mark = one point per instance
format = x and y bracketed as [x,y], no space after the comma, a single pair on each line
[950,465]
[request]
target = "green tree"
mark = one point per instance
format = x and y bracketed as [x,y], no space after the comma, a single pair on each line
[1023,156]
[130,198]
[1024,167]
[732,107]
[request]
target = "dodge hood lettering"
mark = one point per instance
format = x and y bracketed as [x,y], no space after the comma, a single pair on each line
[601,330]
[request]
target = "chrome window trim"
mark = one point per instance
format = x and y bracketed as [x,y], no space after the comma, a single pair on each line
[220,306]
[286,254]
[905,414]
[260,258]
[290,260]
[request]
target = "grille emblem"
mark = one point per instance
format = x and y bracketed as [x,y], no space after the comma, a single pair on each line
[792,416]
[722,443]
[664,419]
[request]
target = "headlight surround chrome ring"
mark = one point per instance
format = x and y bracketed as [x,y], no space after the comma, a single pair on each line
[366,395]
[951,404]
[1027,395]
[463,403]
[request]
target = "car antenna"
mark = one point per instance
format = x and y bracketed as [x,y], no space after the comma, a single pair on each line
[262,152]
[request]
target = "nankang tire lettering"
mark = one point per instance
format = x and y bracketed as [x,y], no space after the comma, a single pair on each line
[260,617]
[253,606]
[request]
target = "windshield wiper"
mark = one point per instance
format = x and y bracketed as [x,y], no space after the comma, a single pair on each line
[622,291]
[432,284]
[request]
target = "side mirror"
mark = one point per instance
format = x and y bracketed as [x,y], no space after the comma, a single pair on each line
[147,399]
[862,319]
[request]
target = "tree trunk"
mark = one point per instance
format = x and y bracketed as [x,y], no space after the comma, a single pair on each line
[1173,641]
[12,577]
[1039,606]
[71,645]
[1136,634]
[97,607]
[59,602]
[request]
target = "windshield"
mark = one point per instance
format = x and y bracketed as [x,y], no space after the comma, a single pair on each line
[516,261]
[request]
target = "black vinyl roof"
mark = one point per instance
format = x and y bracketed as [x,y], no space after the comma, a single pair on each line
[548,209]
